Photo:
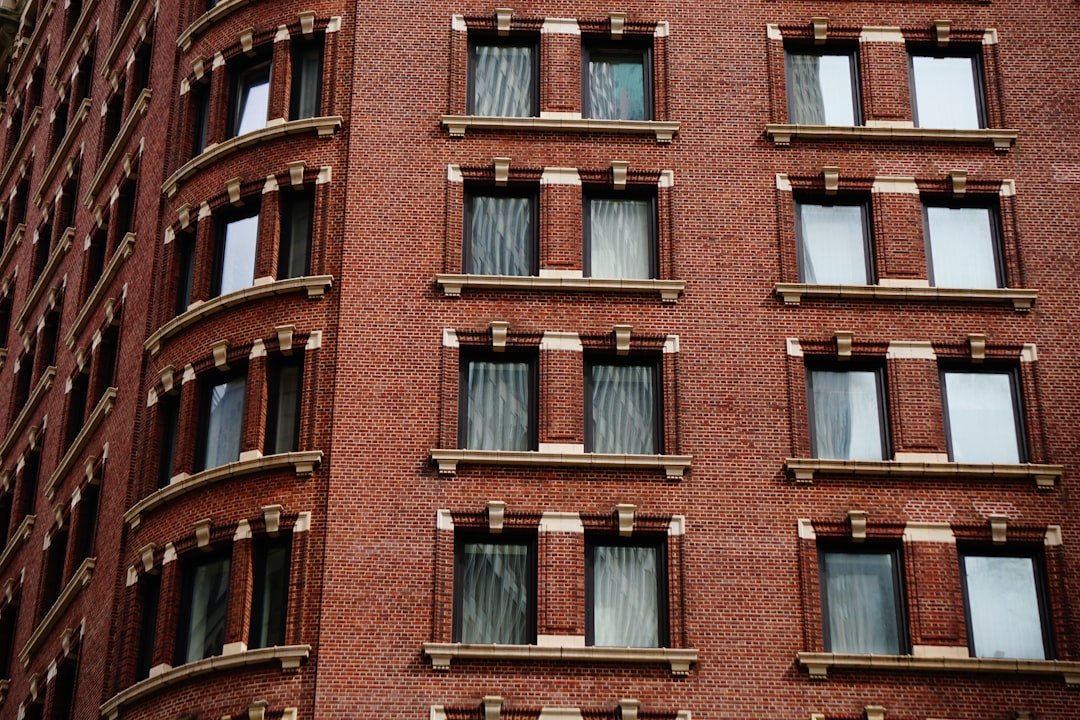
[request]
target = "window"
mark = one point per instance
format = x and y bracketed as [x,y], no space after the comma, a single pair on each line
[500,233]
[294,256]
[622,407]
[822,87]
[625,593]
[149,596]
[185,269]
[235,260]
[52,579]
[205,596]
[962,247]
[861,602]
[945,91]
[847,413]
[620,236]
[498,403]
[200,108]
[8,622]
[617,81]
[834,243]
[222,421]
[502,77]
[1005,605]
[62,703]
[270,596]
[250,100]
[307,62]
[286,382]
[495,589]
[982,416]
[169,426]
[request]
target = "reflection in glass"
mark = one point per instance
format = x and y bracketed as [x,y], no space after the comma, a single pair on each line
[847,415]
[238,254]
[832,244]
[1004,606]
[821,89]
[962,252]
[503,80]
[494,582]
[945,93]
[620,235]
[617,85]
[498,406]
[500,235]
[623,405]
[625,596]
[981,416]
[860,603]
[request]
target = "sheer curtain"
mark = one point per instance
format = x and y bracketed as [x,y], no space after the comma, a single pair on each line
[617,88]
[861,603]
[847,417]
[498,406]
[238,255]
[209,596]
[982,420]
[1004,606]
[626,608]
[962,247]
[503,81]
[832,249]
[623,409]
[619,238]
[224,422]
[495,593]
[500,235]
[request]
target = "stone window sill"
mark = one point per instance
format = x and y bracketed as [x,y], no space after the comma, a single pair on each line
[63,152]
[123,252]
[29,125]
[680,659]
[805,470]
[290,657]
[82,577]
[663,130]
[315,285]
[101,411]
[324,127]
[17,427]
[303,463]
[674,466]
[792,293]
[818,665]
[1002,139]
[112,157]
[207,19]
[452,285]
[55,258]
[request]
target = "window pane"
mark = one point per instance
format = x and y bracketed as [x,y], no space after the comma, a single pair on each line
[307,73]
[945,92]
[832,244]
[861,603]
[981,415]
[283,423]
[1004,607]
[821,91]
[500,235]
[495,593]
[270,601]
[620,238]
[238,254]
[252,99]
[626,603]
[225,415]
[295,251]
[208,592]
[617,85]
[962,252]
[502,81]
[847,415]
[498,406]
[623,409]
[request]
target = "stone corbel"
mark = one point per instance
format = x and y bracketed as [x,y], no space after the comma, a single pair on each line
[146,554]
[977,343]
[296,173]
[499,330]
[502,171]
[821,29]
[502,20]
[285,338]
[874,712]
[496,510]
[272,518]
[959,182]
[202,534]
[941,31]
[618,173]
[998,528]
[232,187]
[221,355]
[832,179]
[843,343]
[629,709]
[625,513]
[858,524]
[622,339]
[492,707]
[618,24]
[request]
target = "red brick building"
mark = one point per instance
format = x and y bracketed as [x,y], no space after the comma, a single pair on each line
[553,361]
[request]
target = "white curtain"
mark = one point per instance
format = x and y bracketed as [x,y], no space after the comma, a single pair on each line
[962,247]
[945,94]
[225,419]
[847,417]
[209,602]
[623,409]
[982,420]
[503,81]
[626,608]
[619,238]
[238,255]
[498,406]
[1004,607]
[861,603]
[617,88]
[500,235]
[269,628]
[495,593]
[832,247]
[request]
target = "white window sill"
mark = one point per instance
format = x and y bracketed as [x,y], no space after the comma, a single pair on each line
[818,665]
[792,293]
[680,659]
[452,285]
[315,285]
[674,466]
[458,124]
[80,579]
[290,656]
[804,470]
[303,463]
[1002,139]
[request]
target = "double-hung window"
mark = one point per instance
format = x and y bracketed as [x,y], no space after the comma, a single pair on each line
[946,90]
[270,593]
[235,256]
[1005,604]
[500,232]
[626,592]
[623,407]
[203,610]
[503,77]
[834,243]
[822,87]
[286,382]
[498,402]
[847,413]
[495,589]
[620,235]
[962,245]
[222,418]
[861,600]
[982,416]
[617,80]
[250,99]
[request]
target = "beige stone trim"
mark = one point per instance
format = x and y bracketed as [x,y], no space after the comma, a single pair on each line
[560,176]
[17,236]
[680,659]
[818,665]
[1053,536]
[895,184]
[575,448]
[206,20]
[1001,138]
[567,341]
[18,539]
[674,466]
[930,532]
[990,37]
[29,125]
[112,157]
[881,33]
[806,529]
[55,258]
[30,47]
[922,457]
[290,657]
[112,269]
[772,32]
[81,578]
[940,651]
[911,350]
[904,282]
[132,19]
[1029,353]
[890,123]
[663,130]
[560,26]
[806,470]
[79,37]
[1008,188]
[450,338]
[561,522]
[64,153]
[21,420]
[453,284]
[794,349]
[101,411]
[783,183]
[1022,299]
[324,127]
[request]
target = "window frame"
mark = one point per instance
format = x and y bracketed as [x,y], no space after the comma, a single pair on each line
[978,78]
[239,86]
[660,544]
[655,365]
[264,546]
[639,192]
[629,45]
[469,356]
[222,221]
[508,537]
[993,208]
[290,200]
[519,190]
[273,402]
[1016,392]
[851,50]
[206,388]
[864,203]
[297,57]
[527,40]
[187,591]
[899,588]
[878,367]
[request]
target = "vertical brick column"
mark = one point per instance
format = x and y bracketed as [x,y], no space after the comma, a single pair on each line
[562,399]
[899,247]
[203,262]
[254,431]
[935,605]
[560,225]
[167,615]
[269,238]
[187,432]
[884,76]
[915,408]
[241,579]
[280,77]
[219,101]
[561,580]
[560,72]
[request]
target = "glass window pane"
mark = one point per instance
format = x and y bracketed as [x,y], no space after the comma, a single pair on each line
[307,74]
[282,426]
[208,593]
[252,99]
[495,593]
[295,251]
[962,252]
[981,415]
[625,596]
[501,235]
[502,80]
[498,406]
[238,254]
[617,86]
[623,407]
[945,92]
[861,603]
[1004,606]
[821,90]
[847,415]
[270,603]
[225,414]
[832,244]
[620,238]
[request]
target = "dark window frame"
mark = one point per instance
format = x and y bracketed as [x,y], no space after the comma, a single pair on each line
[297,60]
[629,46]
[660,543]
[873,547]
[273,401]
[632,192]
[263,547]
[507,537]
[857,364]
[289,243]
[516,190]
[860,200]
[199,99]
[187,589]
[851,50]
[655,362]
[205,388]
[256,66]
[989,203]
[974,53]
[1016,387]
[528,40]
[222,220]
[528,356]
